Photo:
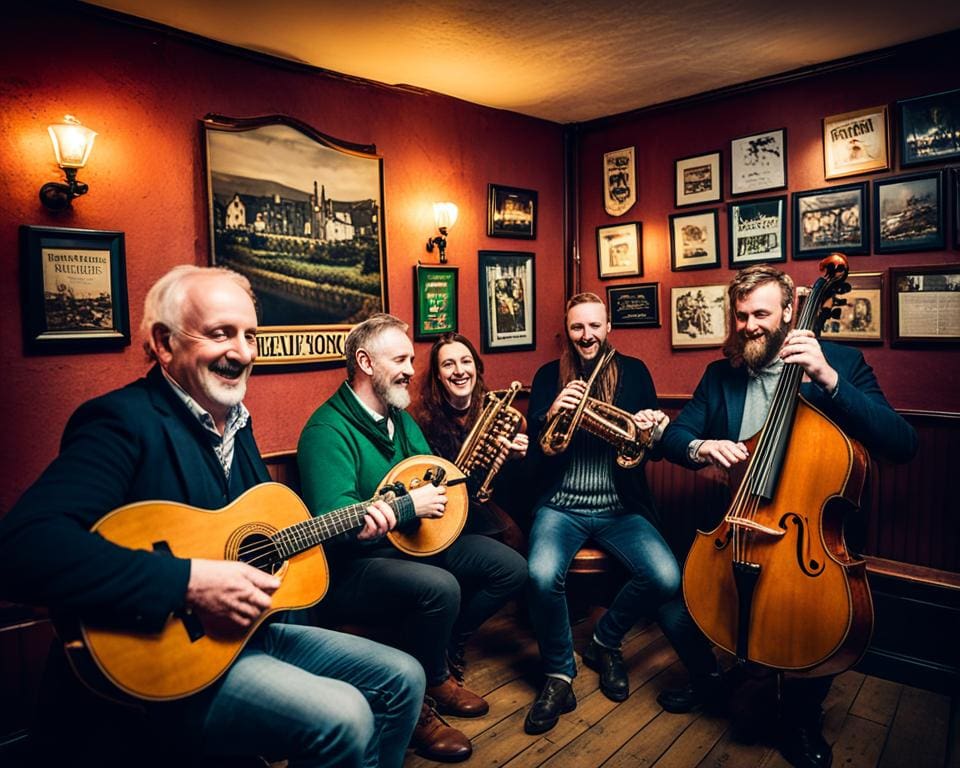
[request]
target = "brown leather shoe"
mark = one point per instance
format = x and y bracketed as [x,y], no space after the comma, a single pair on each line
[435,739]
[453,699]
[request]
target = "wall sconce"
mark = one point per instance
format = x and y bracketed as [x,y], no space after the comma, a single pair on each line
[72,143]
[445,216]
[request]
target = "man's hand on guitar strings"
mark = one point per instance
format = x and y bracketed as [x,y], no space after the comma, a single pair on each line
[227,593]
[378,519]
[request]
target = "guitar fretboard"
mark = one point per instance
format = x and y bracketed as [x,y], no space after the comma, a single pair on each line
[298,538]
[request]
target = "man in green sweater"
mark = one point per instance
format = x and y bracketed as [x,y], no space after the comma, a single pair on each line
[346,449]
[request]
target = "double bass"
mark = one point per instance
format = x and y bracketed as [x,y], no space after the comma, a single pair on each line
[774,583]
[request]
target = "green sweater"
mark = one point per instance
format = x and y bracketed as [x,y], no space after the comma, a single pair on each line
[343,455]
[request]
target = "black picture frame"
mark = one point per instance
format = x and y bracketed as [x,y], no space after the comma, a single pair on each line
[508,316]
[73,290]
[620,250]
[635,305]
[955,173]
[511,212]
[758,231]
[698,179]
[831,220]
[435,301]
[301,214]
[929,128]
[694,240]
[925,305]
[758,162]
[908,213]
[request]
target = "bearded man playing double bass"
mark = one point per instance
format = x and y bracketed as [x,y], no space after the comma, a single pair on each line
[730,405]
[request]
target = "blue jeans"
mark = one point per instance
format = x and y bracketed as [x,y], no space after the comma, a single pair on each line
[314,696]
[631,538]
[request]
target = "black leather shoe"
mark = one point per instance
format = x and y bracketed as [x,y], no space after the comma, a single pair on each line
[803,746]
[556,698]
[703,691]
[613,674]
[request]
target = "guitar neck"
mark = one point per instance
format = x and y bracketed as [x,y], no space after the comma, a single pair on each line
[299,538]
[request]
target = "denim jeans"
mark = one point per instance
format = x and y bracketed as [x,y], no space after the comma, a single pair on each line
[315,697]
[631,538]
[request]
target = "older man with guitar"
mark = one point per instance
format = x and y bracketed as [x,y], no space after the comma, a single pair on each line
[155,605]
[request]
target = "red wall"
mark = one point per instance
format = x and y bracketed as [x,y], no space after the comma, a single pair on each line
[144,91]
[911,378]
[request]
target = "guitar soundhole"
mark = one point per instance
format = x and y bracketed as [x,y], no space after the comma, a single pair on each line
[259,551]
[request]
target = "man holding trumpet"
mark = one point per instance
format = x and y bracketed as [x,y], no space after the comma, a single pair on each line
[596,411]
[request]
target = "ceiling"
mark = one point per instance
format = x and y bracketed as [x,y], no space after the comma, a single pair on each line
[561,60]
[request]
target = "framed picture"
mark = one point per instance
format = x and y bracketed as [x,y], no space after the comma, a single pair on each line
[507,301]
[758,162]
[511,212]
[620,250]
[694,242]
[855,142]
[698,316]
[955,173]
[861,316]
[74,290]
[434,301]
[301,215]
[619,181]
[908,213]
[925,307]
[758,231]
[929,128]
[833,219]
[698,179]
[634,306]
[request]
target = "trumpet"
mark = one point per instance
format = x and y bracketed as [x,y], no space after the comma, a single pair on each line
[606,421]
[478,454]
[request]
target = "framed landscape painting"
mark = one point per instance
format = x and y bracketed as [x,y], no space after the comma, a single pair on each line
[908,213]
[930,128]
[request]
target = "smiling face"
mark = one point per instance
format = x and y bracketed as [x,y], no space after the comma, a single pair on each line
[762,323]
[587,329]
[211,354]
[389,362]
[457,372]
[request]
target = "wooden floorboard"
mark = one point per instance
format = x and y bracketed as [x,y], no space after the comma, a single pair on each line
[871,723]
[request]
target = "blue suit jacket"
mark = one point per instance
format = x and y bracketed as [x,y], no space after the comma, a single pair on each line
[859,409]
[133,444]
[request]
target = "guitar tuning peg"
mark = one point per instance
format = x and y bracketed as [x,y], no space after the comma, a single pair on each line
[835,313]
[839,302]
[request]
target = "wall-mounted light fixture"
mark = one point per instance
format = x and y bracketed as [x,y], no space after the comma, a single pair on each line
[445,216]
[72,143]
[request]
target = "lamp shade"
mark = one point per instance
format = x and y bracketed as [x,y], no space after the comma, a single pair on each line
[445,214]
[72,142]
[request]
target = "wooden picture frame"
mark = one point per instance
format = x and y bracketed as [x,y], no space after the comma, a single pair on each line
[908,213]
[831,220]
[694,240]
[861,315]
[620,250]
[73,290]
[925,305]
[698,179]
[508,313]
[636,305]
[758,231]
[929,128]
[301,215]
[758,162]
[856,142]
[511,212]
[698,316]
[435,301]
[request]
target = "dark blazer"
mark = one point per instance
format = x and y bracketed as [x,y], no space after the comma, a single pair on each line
[133,444]
[859,409]
[635,391]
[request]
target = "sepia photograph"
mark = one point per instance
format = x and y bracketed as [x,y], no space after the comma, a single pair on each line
[833,219]
[908,213]
[300,215]
[511,212]
[698,180]
[861,313]
[507,301]
[620,250]
[758,162]
[698,316]
[758,231]
[694,240]
[855,142]
[619,181]
[929,128]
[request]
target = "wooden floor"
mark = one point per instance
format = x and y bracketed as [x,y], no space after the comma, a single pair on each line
[870,722]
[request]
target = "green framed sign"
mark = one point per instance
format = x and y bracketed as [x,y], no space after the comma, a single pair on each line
[435,301]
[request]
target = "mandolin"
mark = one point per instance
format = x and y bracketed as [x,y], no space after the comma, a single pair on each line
[268,527]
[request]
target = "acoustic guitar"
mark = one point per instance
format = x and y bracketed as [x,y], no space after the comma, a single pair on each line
[268,527]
